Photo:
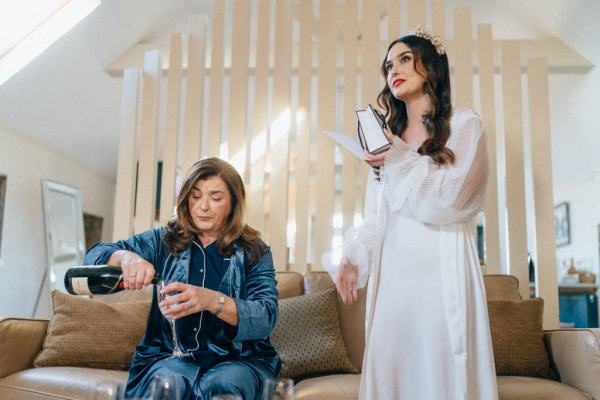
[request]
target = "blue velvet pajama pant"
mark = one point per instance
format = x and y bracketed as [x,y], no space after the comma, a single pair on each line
[244,378]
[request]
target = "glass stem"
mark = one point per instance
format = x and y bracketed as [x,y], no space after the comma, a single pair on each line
[175,342]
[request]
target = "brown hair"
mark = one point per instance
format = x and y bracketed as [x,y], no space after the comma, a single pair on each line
[180,232]
[436,86]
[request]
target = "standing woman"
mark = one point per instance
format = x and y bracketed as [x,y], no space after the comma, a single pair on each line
[227,302]
[427,329]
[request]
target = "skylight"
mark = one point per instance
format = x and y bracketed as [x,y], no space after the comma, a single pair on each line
[30,26]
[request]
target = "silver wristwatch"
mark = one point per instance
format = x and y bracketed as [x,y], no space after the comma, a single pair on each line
[220,304]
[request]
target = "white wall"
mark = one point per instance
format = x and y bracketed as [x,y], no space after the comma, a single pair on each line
[23,253]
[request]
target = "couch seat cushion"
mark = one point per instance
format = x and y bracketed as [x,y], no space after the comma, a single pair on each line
[338,387]
[527,388]
[71,383]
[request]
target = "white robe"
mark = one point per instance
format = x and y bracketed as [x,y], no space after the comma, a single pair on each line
[427,329]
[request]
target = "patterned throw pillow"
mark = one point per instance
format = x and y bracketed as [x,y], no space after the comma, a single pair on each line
[308,337]
[518,338]
[90,333]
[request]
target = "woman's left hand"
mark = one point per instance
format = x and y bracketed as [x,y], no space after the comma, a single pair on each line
[377,160]
[190,300]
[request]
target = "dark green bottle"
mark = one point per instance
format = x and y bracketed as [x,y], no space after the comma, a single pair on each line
[96,279]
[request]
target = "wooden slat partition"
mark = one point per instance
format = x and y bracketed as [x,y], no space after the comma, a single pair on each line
[416,13]
[169,156]
[216,79]
[146,190]
[488,114]
[370,62]
[259,121]
[515,170]
[393,15]
[438,17]
[349,167]
[279,136]
[240,52]
[325,121]
[269,200]
[194,98]
[125,188]
[463,58]
[303,143]
[541,155]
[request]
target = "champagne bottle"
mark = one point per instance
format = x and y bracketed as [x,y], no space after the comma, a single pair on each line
[96,279]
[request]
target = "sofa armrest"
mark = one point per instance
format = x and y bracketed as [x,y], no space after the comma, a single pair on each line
[576,355]
[20,341]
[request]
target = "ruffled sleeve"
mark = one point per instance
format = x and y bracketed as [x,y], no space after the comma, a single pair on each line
[440,195]
[359,241]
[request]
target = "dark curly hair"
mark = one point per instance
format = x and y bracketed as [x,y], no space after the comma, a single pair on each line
[434,69]
[180,231]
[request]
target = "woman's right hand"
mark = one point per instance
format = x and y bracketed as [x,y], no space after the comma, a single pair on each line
[346,279]
[137,272]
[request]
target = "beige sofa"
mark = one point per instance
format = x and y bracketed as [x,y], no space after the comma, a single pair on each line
[575,353]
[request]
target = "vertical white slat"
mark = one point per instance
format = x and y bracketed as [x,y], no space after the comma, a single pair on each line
[303,148]
[515,169]
[393,15]
[279,137]
[370,61]
[416,13]
[169,167]
[145,209]
[539,110]
[216,79]
[125,190]
[488,114]
[240,51]
[194,97]
[349,167]
[258,147]
[463,57]
[325,121]
[438,17]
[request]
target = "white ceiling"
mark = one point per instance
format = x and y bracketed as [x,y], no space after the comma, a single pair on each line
[65,100]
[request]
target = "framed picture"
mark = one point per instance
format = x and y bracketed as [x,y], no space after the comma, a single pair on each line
[562,224]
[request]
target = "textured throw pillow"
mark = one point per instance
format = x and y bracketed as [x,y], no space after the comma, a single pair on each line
[518,338]
[308,337]
[90,333]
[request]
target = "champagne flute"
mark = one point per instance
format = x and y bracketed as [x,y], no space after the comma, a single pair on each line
[161,296]
[165,386]
[109,390]
[279,389]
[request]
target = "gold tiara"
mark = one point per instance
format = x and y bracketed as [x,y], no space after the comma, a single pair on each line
[434,38]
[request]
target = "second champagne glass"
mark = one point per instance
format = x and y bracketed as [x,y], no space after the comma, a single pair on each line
[161,296]
[279,389]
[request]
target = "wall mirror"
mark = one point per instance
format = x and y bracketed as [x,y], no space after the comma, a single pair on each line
[63,219]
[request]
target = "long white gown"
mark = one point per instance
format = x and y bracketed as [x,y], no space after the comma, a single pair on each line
[427,329]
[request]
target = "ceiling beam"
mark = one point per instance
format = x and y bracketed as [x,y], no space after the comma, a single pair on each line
[561,57]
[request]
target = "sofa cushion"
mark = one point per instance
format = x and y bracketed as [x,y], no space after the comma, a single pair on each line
[338,387]
[518,338]
[90,333]
[289,284]
[57,383]
[308,336]
[527,388]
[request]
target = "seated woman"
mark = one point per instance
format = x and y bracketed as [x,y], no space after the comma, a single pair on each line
[227,301]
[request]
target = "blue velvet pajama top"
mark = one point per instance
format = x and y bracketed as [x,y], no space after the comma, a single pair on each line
[253,288]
